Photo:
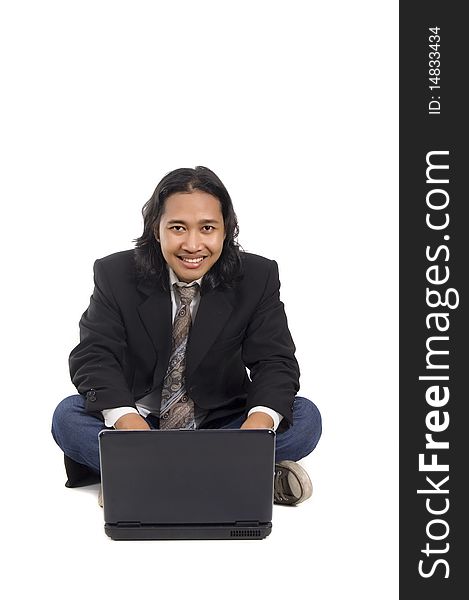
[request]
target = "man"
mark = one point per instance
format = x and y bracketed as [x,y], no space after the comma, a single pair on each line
[172,329]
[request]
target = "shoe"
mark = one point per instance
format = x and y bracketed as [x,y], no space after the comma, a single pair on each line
[292,484]
[100,496]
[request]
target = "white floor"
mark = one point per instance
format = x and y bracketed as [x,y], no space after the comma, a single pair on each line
[337,544]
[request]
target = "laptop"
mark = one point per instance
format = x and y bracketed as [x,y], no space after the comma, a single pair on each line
[179,484]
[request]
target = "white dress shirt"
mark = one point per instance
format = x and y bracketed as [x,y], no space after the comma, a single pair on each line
[111,415]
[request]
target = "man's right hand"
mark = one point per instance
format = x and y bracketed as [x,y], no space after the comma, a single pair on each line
[131,421]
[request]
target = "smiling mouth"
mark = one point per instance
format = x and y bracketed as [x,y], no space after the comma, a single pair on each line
[192,261]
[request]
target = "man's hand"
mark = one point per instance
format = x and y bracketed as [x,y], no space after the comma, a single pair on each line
[131,421]
[258,420]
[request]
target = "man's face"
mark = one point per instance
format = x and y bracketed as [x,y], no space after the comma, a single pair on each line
[191,233]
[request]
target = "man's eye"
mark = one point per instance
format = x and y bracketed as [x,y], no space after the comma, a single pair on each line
[177,227]
[208,227]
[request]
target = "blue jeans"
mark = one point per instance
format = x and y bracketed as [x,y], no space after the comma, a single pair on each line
[76,431]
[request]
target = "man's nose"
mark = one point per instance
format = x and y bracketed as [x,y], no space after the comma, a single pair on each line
[192,241]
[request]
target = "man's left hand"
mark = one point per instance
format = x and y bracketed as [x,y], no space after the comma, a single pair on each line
[258,420]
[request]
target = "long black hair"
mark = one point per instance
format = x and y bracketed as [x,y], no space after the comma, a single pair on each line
[150,262]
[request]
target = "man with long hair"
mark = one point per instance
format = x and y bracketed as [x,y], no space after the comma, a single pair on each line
[187,331]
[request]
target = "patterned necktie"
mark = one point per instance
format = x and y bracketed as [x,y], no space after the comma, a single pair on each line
[177,409]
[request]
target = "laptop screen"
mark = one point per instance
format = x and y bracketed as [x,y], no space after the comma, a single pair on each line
[187,477]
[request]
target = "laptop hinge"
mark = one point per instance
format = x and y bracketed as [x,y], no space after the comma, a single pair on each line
[247,524]
[128,524]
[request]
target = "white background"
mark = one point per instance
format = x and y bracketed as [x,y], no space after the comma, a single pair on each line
[294,106]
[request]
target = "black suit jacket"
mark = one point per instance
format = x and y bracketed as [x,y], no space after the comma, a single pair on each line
[125,342]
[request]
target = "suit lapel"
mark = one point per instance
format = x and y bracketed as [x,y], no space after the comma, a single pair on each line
[213,313]
[155,314]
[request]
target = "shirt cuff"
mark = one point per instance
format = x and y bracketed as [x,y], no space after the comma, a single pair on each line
[276,417]
[111,415]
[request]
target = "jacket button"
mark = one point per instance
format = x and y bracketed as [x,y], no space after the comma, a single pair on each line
[91,396]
